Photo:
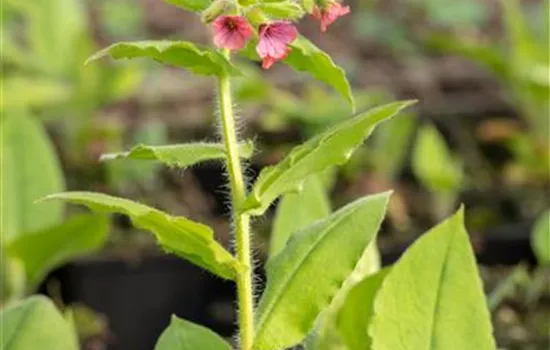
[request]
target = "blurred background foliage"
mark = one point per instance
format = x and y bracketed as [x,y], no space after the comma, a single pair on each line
[480,134]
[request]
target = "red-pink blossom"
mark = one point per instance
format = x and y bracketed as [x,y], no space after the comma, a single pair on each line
[274,40]
[329,14]
[231,32]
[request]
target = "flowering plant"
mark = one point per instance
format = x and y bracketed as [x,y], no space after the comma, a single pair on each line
[324,286]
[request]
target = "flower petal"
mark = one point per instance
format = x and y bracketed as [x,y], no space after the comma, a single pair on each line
[231,32]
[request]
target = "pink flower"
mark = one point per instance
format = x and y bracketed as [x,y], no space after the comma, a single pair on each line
[274,40]
[329,14]
[231,32]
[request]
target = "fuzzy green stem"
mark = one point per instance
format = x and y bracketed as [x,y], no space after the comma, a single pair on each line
[241,221]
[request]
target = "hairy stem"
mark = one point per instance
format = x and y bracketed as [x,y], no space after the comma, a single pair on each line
[241,221]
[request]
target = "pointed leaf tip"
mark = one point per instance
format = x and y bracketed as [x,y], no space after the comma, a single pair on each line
[332,147]
[444,303]
[328,249]
[178,235]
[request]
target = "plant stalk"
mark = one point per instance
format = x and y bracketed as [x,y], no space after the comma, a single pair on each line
[241,221]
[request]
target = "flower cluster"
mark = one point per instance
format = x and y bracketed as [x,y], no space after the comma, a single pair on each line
[232,32]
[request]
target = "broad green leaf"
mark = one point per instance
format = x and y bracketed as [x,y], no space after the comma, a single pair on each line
[305,276]
[356,312]
[183,237]
[184,335]
[35,323]
[332,147]
[282,10]
[29,169]
[43,250]
[180,156]
[540,238]
[298,210]
[433,163]
[183,54]
[432,299]
[306,57]
[191,5]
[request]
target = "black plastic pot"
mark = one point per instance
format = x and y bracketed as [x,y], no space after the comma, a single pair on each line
[139,298]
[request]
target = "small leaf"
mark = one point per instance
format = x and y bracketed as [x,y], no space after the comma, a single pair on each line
[432,299]
[306,57]
[183,237]
[356,312]
[332,147]
[282,10]
[183,54]
[305,276]
[35,323]
[43,250]
[184,335]
[191,5]
[298,210]
[433,163]
[29,170]
[541,238]
[180,156]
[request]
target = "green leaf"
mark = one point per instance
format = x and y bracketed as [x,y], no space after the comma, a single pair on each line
[182,155]
[184,335]
[183,54]
[43,250]
[53,28]
[540,238]
[391,145]
[23,92]
[183,237]
[35,323]
[332,147]
[136,172]
[356,312]
[432,298]
[326,335]
[298,210]
[29,170]
[490,57]
[191,5]
[12,279]
[306,57]
[433,163]
[282,10]
[306,275]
